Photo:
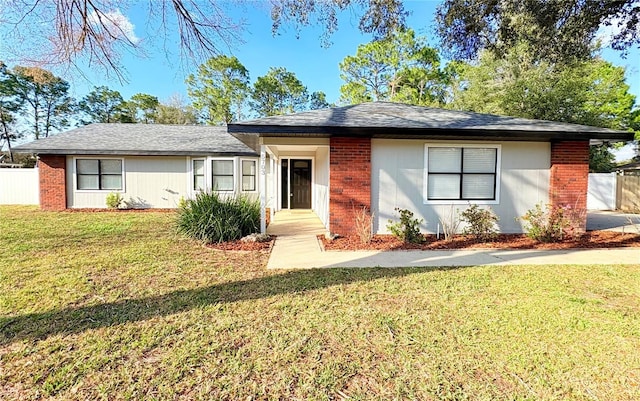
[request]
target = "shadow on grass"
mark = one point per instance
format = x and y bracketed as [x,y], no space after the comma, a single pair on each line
[38,326]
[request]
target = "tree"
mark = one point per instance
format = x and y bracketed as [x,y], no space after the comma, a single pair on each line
[379,17]
[318,100]
[48,105]
[220,89]
[601,160]
[102,105]
[174,111]
[398,68]
[592,92]
[278,92]
[557,30]
[145,107]
[64,32]
[10,106]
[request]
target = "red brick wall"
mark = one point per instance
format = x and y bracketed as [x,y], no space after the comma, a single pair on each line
[350,181]
[53,189]
[570,175]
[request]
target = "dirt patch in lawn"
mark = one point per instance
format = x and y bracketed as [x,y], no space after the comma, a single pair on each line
[591,239]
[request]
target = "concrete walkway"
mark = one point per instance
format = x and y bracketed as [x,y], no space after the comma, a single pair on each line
[613,221]
[298,248]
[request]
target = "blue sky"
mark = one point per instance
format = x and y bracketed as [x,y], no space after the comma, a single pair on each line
[162,75]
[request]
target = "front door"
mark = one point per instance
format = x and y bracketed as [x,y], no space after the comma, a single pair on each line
[300,184]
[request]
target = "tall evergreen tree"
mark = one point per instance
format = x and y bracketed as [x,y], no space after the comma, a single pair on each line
[48,105]
[397,68]
[102,105]
[278,92]
[219,90]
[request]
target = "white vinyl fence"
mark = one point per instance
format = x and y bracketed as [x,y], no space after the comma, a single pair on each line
[19,186]
[601,194]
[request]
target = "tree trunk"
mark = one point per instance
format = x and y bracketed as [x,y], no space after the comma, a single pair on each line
[5,134]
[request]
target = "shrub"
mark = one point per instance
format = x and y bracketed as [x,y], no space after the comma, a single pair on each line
[114,200]
[546,225]
[211,217]
[481,223]
[574,221]
[408,228]
[363,221]
[450,223]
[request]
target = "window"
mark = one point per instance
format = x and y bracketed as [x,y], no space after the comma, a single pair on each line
[248,175]
[197,167]
[222,175]
[461,173]
[99,174]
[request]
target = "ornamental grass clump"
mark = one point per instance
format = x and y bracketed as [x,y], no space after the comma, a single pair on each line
[215,218]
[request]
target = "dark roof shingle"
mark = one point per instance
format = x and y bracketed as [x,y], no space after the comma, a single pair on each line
[141,139]
[385,119]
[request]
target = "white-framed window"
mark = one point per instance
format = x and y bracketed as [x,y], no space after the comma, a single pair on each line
[94,174]
[462,173]
[249,175]
[199,181]
[222,175]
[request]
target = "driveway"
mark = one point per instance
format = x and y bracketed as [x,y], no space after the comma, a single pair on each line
[613,221]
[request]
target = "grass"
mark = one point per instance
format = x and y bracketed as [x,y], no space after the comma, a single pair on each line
[117,306]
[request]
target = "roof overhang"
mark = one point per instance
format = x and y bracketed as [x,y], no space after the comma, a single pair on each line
[428,133]
[94,152]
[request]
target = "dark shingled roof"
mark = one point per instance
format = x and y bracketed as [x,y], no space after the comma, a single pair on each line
[396,120]
[141,140]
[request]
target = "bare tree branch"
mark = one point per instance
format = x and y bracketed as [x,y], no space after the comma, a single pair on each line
[70,33]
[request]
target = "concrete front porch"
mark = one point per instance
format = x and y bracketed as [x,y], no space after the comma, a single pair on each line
[296,243]
[295,222]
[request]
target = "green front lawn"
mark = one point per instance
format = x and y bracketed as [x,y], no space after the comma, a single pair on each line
[115,305]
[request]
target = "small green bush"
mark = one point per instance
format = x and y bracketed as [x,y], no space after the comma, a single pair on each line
[546,225]
[481,223]
[212,218]
[408,228]
[114,200]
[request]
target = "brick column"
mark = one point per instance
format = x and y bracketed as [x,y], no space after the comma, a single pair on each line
[349,180]
[569,177]
[53,189]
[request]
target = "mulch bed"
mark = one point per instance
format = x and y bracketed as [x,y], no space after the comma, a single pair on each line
[591,239]
[243,246]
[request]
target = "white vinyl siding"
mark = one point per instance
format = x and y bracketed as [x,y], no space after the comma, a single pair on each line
[398,180]
[154,181]
[147,181]
[99,175]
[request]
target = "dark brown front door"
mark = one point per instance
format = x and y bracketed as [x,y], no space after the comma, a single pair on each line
[300,184]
